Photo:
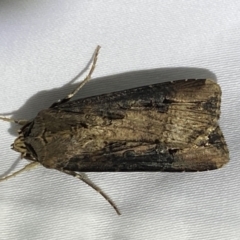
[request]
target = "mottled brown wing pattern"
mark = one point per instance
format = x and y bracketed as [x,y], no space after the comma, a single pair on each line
[163,127]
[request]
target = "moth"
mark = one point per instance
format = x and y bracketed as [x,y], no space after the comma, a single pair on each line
[171,126]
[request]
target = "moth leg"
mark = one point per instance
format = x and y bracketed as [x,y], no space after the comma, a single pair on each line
[89,183]
[87,78]
[28,167]
[20,122]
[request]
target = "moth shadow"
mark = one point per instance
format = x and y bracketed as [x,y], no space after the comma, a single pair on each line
[98,86]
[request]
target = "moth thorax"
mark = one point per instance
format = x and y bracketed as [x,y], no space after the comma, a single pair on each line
[19,146]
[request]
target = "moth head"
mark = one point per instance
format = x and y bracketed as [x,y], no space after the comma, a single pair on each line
[19,145]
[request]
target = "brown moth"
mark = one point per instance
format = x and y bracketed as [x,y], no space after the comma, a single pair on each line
[171,126]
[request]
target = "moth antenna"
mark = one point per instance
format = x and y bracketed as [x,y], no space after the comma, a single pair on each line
[96,188]
[87,78]
[20,122]
[28,167]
